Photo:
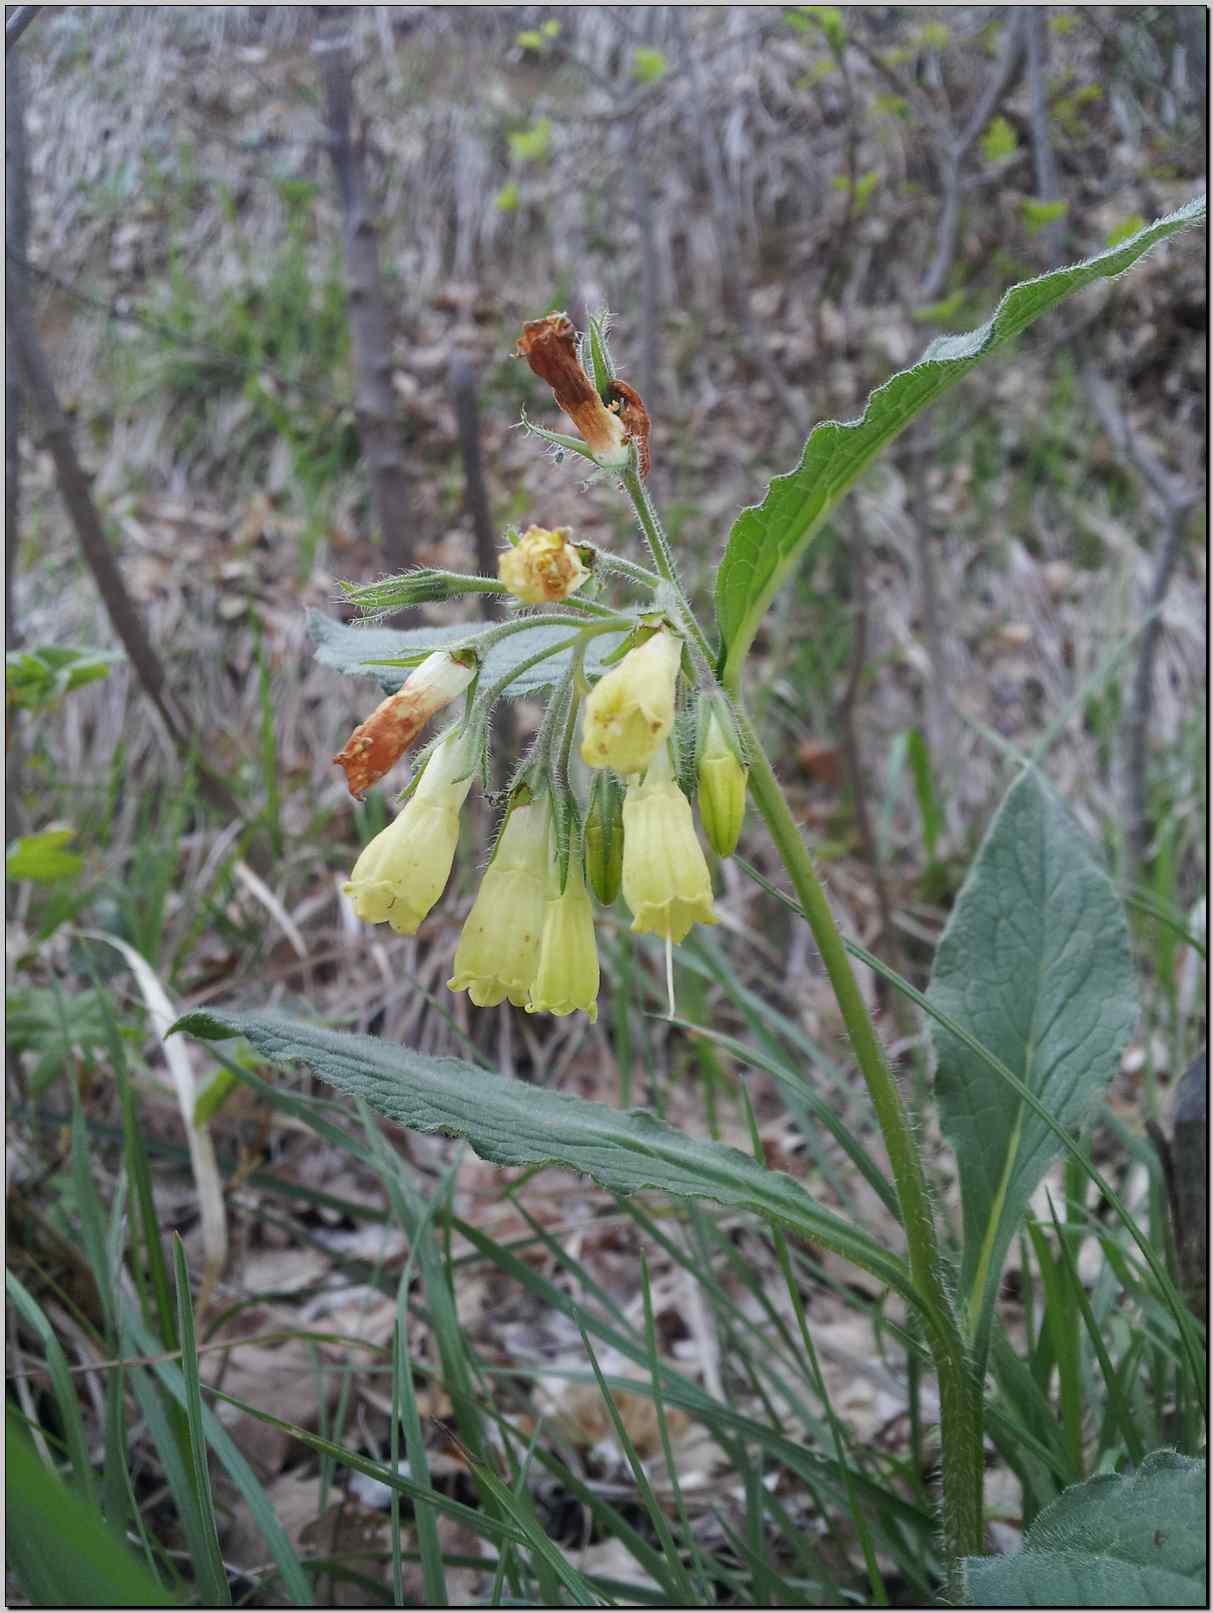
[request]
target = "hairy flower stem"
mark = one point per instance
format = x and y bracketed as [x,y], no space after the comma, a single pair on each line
[659,548]
[960,1390]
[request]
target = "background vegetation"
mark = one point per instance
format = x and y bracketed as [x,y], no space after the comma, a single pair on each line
[780,207]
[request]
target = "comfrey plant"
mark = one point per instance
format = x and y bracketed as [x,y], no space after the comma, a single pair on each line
[1031,998]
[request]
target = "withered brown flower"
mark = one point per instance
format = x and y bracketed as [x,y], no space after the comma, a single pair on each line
[549,346]
[379,742]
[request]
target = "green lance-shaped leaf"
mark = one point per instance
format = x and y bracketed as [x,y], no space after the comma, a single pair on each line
[512,1123]
[354,650]
[1034,964]
[1119,1540]
[768,539]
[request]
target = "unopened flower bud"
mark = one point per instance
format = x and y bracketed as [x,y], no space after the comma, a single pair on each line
[665,874]
[498,951]
[722,788]
[404,870]
[542,567]
[379,742]
[604,838]
[630,712]
[567,975]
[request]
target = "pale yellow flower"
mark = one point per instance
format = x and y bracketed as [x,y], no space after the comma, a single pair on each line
[404,870]
[542,567]
[567,976]
[498,951]
[721,793]
[665,874]
[629,712]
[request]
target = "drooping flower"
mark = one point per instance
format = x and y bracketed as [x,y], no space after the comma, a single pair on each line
[666,882]
[549,346]
[629,712]
[379,742]
[722,787]
[566,978]
[498,951]
[542,567]
[404,870]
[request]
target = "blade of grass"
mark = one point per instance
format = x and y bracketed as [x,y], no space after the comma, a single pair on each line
[212,1576]
[60,1546]
[64,1390]
[1116,1400]
[657,1517]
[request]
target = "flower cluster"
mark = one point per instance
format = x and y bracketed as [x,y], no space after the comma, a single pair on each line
[646,718]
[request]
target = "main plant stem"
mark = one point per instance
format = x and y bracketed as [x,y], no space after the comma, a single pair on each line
[959,1389]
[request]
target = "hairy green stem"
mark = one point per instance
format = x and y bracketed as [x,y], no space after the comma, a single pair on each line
[663,559]
[959,1389]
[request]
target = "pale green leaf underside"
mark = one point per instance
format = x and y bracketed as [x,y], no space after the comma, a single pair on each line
[1035,964]
[1132,1540]
[349,647]
[512,1123]
[769,538]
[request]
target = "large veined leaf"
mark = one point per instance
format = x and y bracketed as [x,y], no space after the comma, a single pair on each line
[353,649]
[509,1122]
[1035,964]
[1120,1540]
[770,538]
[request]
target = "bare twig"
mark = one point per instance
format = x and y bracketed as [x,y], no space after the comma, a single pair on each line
[1048,187]
[98,556]
[375,406]
[1177,499]
[846,725]
[16,167]
[951,159]
[16,20]
[467,424]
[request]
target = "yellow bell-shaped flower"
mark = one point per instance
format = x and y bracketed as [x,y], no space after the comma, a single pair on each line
[665,874]
[629,712]
[404,870]
[498,951]
[567,976]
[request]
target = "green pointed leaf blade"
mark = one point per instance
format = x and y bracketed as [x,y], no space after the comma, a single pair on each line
[512,1123]
[1119,1540]
[1035,964]
[61,1550]
[768,539]
[354,649]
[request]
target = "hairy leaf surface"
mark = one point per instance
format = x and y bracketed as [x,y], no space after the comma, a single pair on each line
[768,539]
[1120,1540]
[512,1123]
[348,648]
[1034,964]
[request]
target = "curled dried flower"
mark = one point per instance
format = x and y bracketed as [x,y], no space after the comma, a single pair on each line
[549,346]
[625,401]
[379,742]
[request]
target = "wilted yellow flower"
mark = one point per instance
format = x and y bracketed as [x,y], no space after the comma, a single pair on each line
[379,742]
[665,874]
[629,712]
[404,870]
[567,976]
[721,793]
[542,567]
[498,949]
